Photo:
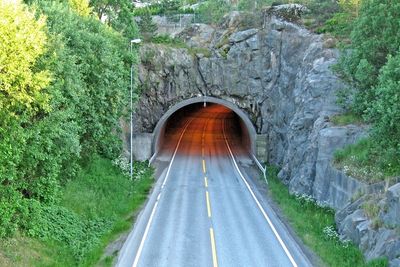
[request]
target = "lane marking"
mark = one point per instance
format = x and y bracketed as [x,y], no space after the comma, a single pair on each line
[204,166]
[205,181]
[208,204]
[213,248]
[258,203]
[146,231]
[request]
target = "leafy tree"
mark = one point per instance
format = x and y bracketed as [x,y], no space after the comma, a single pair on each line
[118,14]
[375,35]
[100,58]
[213,11]
[170,6]
[146,25]
[81,7]
[22,42]
[23,97]
[384,111]
[64,88]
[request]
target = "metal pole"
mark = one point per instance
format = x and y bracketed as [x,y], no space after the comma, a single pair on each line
[134,41]
[131,135]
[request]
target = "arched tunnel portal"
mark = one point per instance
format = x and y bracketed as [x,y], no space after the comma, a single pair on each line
[241,126]
[147,145]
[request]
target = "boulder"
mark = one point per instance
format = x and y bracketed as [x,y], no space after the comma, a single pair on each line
[392,217]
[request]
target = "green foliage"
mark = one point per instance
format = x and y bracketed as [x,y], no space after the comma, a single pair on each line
[95,208]
[314,225]
[146,25]
[81,7]
[368,161]
[118,14]
[371,65]
[384,111]
[23,98]
[22,42]
[168,40]
[213,11]
[346,118]
[153,10]
[64,83]
[170,6]
[96,62]
[375,35]
[66,227]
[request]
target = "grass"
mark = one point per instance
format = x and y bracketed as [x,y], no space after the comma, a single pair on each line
[168,41]
[368,162]
[315,226]
[200,50]
[346,119]
[99,193]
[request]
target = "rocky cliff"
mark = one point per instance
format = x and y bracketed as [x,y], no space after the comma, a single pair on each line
[280,75]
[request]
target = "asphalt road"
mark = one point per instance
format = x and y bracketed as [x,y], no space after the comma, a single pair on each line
[205,210]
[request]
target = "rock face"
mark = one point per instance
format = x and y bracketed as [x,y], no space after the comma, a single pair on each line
[374,238]
[332,187]
[392,217]
[279,74]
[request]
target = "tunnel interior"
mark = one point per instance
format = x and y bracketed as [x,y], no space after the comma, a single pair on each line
[214,122]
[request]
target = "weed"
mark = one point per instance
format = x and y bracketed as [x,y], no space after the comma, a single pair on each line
[314,225]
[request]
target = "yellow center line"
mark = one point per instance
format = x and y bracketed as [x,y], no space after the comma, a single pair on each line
[205,181]
[213,249]
[208,205]
[204,166]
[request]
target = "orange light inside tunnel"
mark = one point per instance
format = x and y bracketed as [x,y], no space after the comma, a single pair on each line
[207,129]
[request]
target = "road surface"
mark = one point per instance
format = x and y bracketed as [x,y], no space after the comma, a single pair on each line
[204,210]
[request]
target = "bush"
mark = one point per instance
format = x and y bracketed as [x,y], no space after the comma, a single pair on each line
[212,12]
[66,227]
[67,81]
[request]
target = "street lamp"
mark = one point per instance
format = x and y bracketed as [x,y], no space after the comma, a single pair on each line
[133,42]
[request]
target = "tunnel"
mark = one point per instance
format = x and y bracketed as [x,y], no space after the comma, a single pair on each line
[215,119]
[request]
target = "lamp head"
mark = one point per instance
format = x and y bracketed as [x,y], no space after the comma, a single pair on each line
[136,41]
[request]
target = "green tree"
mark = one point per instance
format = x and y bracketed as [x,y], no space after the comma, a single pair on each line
[146,25]
[23,98]
[81,7]
[170,6]
[118,14]
[375,35]
[48,125]
[213,11]
[384,111]
[22,42]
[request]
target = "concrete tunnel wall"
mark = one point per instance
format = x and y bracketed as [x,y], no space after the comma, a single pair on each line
[248,129]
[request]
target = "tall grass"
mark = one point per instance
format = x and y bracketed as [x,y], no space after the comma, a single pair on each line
[315,226]
[95,208]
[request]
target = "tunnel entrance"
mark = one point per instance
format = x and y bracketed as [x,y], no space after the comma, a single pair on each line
[214,118]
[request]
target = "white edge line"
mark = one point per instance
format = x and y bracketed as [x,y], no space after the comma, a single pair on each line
[258,203]
[146,231]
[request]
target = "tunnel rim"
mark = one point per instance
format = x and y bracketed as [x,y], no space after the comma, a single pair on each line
[200,99]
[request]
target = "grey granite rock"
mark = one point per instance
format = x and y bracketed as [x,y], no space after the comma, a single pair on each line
[392,217]
[280,76]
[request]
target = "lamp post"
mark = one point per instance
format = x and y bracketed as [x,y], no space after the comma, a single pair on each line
[133,42]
